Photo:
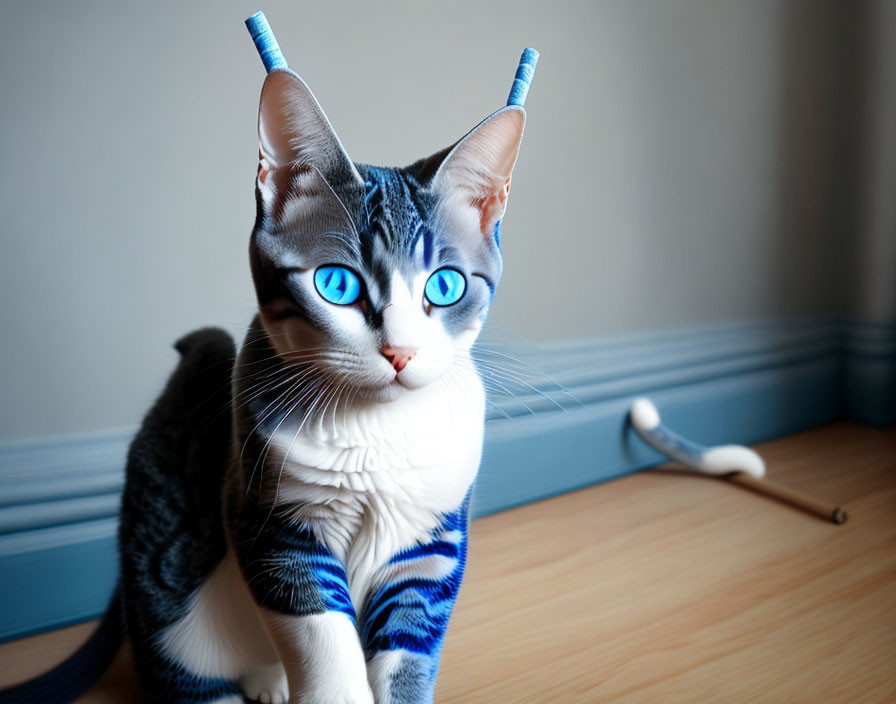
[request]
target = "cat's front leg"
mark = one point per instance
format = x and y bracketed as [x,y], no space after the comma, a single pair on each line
[406,615]
[322,656]
[303,600]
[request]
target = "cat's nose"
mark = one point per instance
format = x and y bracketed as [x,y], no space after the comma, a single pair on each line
[398,357]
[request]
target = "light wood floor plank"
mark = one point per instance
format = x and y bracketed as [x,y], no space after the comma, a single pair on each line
[663,587]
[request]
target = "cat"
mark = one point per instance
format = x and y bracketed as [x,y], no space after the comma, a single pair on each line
[294,519]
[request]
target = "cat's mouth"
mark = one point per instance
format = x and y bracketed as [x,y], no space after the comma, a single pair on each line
[399,383]
[387,391]
[402,381]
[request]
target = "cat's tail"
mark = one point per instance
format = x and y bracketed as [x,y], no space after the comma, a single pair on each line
[69,680]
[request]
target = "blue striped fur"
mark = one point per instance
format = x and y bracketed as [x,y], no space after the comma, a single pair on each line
[397,211]
[172,683]
[409,613]
[286,568]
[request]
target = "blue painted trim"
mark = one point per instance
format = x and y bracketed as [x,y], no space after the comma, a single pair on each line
[869,373]
[55,577]
[566,430]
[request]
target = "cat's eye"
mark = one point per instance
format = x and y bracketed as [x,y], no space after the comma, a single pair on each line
[445,287]
[338,285]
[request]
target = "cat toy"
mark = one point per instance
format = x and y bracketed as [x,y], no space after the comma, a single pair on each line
[272,58]
[525,71]
[266,43]
[736,463]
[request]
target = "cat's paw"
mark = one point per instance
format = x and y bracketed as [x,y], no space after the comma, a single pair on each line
[275,697]
[266,685]
[337,693]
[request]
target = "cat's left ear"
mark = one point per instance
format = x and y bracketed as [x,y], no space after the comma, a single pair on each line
[476,171]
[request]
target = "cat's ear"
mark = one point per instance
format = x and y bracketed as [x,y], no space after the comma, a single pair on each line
[294,133]
[476,172]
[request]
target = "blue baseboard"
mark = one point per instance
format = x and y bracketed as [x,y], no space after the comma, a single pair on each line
[869,373]
[56,576]
[553,430]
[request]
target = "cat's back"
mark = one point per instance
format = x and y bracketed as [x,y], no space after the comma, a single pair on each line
[170,532]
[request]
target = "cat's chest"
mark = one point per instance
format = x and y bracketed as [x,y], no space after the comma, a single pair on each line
[419,453]
[372,482]
[362,449]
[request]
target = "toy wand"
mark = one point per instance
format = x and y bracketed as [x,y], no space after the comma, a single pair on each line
[266,43]
[736,463]
[272,58]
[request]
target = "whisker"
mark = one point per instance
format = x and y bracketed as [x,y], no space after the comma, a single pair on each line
[511,375]
[262,456]
[285,458]
[530,367]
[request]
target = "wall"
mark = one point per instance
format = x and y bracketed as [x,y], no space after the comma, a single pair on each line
[874,198]
[683,164]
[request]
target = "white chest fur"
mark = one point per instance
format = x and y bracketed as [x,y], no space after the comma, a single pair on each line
[372,481]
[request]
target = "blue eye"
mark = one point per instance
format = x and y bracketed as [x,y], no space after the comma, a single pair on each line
[337,285]
[445,287]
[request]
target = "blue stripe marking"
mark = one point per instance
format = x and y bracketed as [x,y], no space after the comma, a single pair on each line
[287,569]
[437,547]
[428,246]
[171,682]
[392,214]
[372,188]
[412,612]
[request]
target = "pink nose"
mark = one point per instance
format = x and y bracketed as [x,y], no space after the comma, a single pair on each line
[398,356]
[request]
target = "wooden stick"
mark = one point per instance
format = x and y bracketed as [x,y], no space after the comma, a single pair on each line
[736,463]
[829,512]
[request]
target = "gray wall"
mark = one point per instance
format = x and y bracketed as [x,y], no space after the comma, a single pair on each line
[685,162]
[873,213]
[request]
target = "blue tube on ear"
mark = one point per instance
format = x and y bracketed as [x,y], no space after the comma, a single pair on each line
[523,79]
[265,42]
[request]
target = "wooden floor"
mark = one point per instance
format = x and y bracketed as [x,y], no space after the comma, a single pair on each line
[664,588]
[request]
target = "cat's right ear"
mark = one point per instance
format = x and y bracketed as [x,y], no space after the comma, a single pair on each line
[294,135]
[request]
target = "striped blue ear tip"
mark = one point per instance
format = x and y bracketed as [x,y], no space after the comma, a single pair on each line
[525,71]
[265,42]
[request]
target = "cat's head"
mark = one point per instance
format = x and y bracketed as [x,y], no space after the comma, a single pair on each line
[381,277]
